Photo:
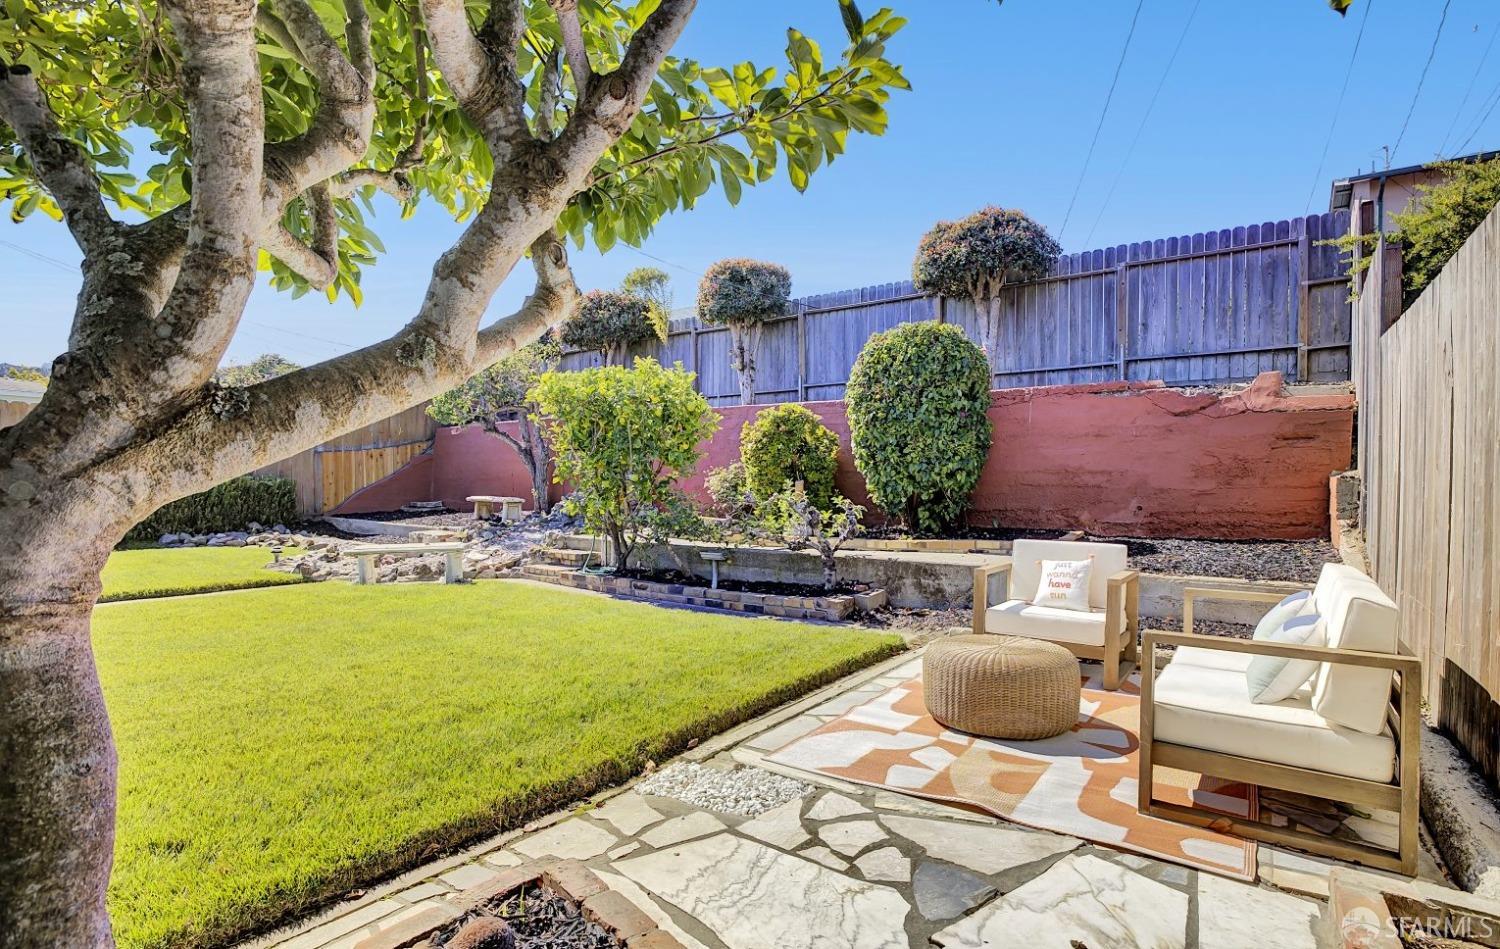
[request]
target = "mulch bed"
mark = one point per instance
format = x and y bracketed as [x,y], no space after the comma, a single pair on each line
[537,920]
[1298,561]
[443,518]
[965,533]
[768,587]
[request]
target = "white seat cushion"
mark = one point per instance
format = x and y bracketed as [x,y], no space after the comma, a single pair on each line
[1020,618]
[1208,708]
[1360,616]
[1221,659]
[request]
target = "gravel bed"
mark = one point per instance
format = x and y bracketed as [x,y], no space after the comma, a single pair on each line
[745,791]
[1298,561]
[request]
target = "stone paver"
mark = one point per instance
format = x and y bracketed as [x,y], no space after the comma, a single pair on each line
[982,849]
[755,897]
[832,806]
[784,734]
[944,892]
[629,813]
[686,827]
[1232,915]
[573,839]
[851,837]
[826,857]
[780,826]
[1081,898]
[886,865]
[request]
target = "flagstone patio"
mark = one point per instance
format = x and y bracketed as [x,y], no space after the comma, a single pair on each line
[847,866]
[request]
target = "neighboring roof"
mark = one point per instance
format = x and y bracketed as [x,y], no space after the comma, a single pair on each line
[1338,196]
[20,390]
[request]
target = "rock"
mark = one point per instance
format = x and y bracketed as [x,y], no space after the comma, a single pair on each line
[944,892]
[484,932]
[167,540]
[281,529]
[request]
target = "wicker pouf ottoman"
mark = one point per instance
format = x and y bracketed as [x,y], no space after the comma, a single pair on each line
[1001,686]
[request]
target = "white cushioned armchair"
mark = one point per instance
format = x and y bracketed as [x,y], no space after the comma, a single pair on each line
[1350,734]
[1106,632]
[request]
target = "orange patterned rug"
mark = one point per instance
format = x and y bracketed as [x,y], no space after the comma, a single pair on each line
[1082,783]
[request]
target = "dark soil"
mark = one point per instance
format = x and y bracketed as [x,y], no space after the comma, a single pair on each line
[893,617]
[966,533]
[539,922]
[742,586]
[443,518]
[1298,561]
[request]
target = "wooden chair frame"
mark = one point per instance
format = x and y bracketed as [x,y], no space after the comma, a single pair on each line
[1121,619]
[1403,715]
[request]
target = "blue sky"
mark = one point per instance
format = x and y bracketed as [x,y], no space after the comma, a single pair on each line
[1004,104]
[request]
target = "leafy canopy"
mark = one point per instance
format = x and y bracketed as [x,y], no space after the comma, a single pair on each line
[917,400]
[785,445]
[608,320]
[500,387]
[738,290]
[110,68]
[974,256]
[622,438]
[262,367]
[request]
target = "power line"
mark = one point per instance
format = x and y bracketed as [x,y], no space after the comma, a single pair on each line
[663,260]
[1431,52]
[42,258]
[1102,114]
[1338,109]
[1470,90]
[1494,100]
[1120,171]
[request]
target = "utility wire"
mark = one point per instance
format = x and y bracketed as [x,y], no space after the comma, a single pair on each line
[1102,114]
[42,258]
[1141,128]
[1431,52]
[1494,100]
[1339,108]
[1473,80]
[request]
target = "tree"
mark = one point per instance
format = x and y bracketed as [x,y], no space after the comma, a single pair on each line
[792,518]
[262,367]
[975,256]
[500,396]
[26,374]
[654,286]
[743,295]
[270,127]
[610,322]
[786,445]
[622,438]
[917,400]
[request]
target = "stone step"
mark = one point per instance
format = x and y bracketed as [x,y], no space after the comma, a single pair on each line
[564,555]
[546,571]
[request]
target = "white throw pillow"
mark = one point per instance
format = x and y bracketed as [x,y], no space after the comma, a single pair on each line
[1284,610]
[1064,585]
[1271,679]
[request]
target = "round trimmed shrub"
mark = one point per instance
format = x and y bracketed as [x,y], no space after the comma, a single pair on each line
[917,399]
[787,444]
[976,255]
[609,321]
[739,290]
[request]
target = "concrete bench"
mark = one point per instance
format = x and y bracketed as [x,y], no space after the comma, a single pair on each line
[366,554]
[484,506]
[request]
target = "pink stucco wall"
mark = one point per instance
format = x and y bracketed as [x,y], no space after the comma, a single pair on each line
[1112,458]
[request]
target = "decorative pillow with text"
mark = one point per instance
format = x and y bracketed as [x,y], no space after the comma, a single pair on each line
[1064,585]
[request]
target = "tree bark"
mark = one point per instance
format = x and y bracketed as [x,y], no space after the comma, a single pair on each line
[989,320]
[744,343]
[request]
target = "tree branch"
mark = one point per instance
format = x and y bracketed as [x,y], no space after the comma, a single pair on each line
[546,308]
[459,55]
[572,41]
[318,263]
[62,167]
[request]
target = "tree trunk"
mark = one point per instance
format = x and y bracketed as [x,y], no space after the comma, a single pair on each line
[540,462]
[744,341]
[830,570]
[57,756]
[989,321]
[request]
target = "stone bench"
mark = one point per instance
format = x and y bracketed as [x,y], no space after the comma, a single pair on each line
[484,506]
[366,554]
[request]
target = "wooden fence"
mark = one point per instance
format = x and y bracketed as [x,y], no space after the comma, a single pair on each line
[1216,307]
[332,471]
[1429,450]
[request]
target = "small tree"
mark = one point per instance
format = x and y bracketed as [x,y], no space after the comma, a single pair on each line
[786,445]
[727,487]
[498,396]
[917,398]
[622,438]
[791,517]
[975,256]
[743,294]
[610,322]
[654,286]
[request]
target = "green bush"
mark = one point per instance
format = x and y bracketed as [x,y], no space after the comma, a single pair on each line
[727,487]
[610,322]
[917,399]
[227,507]
[974,256]
[622,438]
[787,444]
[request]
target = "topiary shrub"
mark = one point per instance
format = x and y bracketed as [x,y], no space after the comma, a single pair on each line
[726,486]
[610,322]
[917,399]
[743,294]
[787,444]
[622,438]
[975,256]
[226,507]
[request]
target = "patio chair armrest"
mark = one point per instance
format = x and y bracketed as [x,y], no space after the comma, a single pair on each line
[1121,604]
[1192,594]
[983,578]
[1397,662]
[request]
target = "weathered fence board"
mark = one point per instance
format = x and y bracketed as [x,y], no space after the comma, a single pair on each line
[1215,307]
[1429,435]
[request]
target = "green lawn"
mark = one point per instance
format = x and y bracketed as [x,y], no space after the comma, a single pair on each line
[164,571]
[281,746]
